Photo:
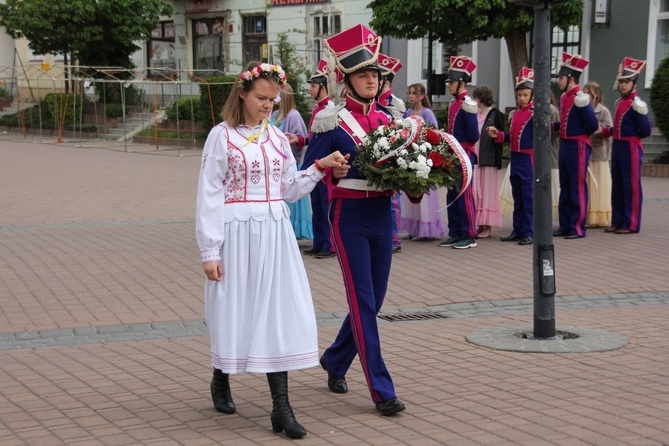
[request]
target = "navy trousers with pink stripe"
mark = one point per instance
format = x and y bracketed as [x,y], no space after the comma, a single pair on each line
[573,159]
[362,237]
[626,192]
[462,212]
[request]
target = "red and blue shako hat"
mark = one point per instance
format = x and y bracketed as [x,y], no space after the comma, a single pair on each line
[572,65]
[354,49]
[389,66]
[525,79]
[322,73]
[630,68]
[460,69]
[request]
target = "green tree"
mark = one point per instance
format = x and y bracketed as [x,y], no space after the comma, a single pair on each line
[296,73]
[456,22]
[97,33]
[659,97]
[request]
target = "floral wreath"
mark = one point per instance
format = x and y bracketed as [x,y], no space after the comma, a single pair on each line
[414,157]
[263,70]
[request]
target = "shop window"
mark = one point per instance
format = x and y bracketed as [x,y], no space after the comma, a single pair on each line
[323,26]
[209,46]
[161,58]
[568,41]
[254,38]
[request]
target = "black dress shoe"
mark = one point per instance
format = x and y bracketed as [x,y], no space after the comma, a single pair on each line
[572,236]
[559,234]
[525,241]
[311,252]
[397,249]
[325,255]
[390,407]
[336,385]
[511,237]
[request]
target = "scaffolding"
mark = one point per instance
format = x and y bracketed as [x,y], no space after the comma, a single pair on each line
[134,120]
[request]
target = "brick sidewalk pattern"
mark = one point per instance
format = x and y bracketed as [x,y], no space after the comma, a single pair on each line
[102,338]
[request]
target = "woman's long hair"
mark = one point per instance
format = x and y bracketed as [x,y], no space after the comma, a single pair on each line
[596,91]
[286,104]
[420,89]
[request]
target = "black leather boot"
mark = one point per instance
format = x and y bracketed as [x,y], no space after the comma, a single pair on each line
[282,414]
[220,392]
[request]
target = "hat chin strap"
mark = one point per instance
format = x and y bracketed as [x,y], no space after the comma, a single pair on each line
[360,98]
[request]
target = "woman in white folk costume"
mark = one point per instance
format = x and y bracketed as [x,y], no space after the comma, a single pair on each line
[258,304]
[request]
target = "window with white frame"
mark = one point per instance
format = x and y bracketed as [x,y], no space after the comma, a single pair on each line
[322,27]
[658,37]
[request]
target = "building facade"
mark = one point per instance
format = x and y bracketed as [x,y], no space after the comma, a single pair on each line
[205,37]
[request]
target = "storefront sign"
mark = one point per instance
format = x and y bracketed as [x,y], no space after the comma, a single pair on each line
[197,6]
[275,3]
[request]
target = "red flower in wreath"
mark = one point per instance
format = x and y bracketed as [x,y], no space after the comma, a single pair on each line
[437,159]
[432,137]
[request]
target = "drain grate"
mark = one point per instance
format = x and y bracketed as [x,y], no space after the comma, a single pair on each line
[399,317]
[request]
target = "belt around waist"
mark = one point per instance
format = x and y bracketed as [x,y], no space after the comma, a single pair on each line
[356,184]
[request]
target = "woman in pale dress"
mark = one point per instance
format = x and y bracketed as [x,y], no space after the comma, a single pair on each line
[258,304]
[489,156]
[422,220]
[599,176]
[289,121]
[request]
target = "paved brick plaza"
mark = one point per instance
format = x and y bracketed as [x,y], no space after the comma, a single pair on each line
[102,340]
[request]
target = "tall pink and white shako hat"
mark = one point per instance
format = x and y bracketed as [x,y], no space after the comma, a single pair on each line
[572,65]
[390,66]
[525,79]
[460,69]
[354,49]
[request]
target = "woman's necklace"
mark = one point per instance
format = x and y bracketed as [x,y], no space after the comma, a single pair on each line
[254,137]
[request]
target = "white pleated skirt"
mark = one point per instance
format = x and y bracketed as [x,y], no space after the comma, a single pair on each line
[261,315]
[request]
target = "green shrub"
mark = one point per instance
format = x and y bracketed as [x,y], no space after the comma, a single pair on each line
[9,120]
[59,103]
[442,117]
[213,94]
[114,110]
[31,118]
[659,97]
[185,109]
[4,93]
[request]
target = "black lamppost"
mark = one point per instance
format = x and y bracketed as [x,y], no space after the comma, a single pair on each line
[543,258]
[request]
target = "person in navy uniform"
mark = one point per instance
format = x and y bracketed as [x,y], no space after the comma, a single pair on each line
[630,125]
[463,125]
[360,217]
[390,66]
[577,122]
[322,246]
[520,138]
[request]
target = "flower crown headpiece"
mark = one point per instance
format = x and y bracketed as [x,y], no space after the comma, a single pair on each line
[263,70]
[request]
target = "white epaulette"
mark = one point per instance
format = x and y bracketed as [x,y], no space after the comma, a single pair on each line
[326,119]
[640,106]
[581,100]
[399,104]
[469,105]
[394,111]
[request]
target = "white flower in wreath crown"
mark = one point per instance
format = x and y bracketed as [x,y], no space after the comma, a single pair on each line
[383,143]
[402,163]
